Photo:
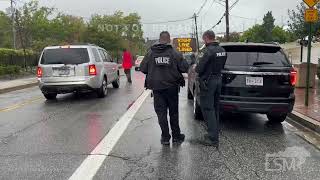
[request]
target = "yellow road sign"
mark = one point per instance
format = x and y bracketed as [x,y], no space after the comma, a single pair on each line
[185,44]
[311,3]
[311,15]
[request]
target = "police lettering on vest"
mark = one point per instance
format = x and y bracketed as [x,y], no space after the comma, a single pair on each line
[221,54]
[162,61]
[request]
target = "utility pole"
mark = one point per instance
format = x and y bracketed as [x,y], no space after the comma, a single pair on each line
[13,25]
[227,22]
[197,37]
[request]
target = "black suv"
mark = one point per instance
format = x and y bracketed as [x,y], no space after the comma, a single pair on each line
[258,78]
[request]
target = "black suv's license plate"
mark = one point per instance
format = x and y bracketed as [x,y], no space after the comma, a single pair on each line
[254,81]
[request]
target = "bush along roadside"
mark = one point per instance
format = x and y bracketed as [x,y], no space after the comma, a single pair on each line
[11,57]
[10,70]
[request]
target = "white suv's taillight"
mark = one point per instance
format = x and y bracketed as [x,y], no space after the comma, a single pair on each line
[39,72]
[92,70]
[293,77]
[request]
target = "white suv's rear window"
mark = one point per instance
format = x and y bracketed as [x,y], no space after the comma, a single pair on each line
[65,56]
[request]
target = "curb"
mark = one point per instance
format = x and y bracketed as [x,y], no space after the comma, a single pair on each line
[305,121]
[15,88]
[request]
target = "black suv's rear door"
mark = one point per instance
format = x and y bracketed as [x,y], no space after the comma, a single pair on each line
[256,71]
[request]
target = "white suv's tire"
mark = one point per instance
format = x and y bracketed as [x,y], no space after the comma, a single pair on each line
[50,96]
[116,83]
[103,90]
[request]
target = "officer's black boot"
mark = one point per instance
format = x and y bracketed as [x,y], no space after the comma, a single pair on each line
[165,140]
[179,138]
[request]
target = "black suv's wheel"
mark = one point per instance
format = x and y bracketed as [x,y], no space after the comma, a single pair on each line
[50,96]
[116,83]
[197,109]
[277,118]
[190,96]
[103,90]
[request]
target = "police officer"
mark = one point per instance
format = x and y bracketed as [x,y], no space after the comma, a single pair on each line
[209,69]
[163,67]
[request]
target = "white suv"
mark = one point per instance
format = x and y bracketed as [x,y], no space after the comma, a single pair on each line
[74,68]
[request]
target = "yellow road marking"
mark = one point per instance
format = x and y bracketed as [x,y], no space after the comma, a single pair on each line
[16,106]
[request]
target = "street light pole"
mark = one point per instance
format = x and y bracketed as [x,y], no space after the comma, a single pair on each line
[308,64]
[13,25]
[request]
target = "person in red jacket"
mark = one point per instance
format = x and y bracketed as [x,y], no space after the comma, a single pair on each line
[127,64]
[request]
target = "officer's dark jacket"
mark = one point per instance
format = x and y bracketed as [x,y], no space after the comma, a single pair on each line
[212,62]
[163,66]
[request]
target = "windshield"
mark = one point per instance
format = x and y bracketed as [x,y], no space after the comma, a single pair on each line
[65,56]
[256,56]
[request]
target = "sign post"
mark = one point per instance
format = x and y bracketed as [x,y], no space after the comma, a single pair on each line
[311,16]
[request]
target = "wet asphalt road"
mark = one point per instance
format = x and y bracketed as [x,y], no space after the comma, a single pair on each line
[49,140]
[245,140]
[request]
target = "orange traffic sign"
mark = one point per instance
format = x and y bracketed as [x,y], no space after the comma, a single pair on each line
[185,44]
[311,3]
[311,15]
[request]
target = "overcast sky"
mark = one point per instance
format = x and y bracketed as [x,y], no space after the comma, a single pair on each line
[164,10]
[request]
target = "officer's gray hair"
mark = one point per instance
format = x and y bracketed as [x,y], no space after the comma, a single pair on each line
[164,37]
[209,34]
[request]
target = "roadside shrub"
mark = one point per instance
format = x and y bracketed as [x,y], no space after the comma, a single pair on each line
[11,52]
[9,70]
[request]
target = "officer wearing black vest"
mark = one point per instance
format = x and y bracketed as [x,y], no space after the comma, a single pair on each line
[209,69]
[163,67]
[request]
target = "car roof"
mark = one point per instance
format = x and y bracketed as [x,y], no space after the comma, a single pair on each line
[271,44]
[73,46]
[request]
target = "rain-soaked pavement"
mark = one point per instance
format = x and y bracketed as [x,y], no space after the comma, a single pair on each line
[41,139]
[50,140]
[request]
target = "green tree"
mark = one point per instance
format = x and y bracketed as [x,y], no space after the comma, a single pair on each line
[268,26]
[297,23]
[254,34]
[5,31]
[234,37]
[280,35]
[115,32]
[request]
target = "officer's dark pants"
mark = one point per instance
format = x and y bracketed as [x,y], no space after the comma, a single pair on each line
[164,100]
[209,100]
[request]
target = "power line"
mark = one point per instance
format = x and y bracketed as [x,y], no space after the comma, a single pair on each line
[254,19]
[204,3]
[165,22]
[220,20]
[213,1]
[234,4]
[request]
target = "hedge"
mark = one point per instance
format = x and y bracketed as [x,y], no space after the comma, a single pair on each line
[11,57]
[11,52]
[10,70]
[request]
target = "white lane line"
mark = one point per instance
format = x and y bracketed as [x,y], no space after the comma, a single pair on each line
[89,167]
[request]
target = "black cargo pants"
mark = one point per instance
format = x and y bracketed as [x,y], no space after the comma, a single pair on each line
[209,100]
[163,100]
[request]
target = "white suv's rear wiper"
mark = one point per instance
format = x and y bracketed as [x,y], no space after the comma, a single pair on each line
[261,63]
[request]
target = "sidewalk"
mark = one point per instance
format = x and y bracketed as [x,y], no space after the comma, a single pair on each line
[13,85]
[308,116]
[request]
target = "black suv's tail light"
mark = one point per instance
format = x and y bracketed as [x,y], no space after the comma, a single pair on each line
[293,77]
